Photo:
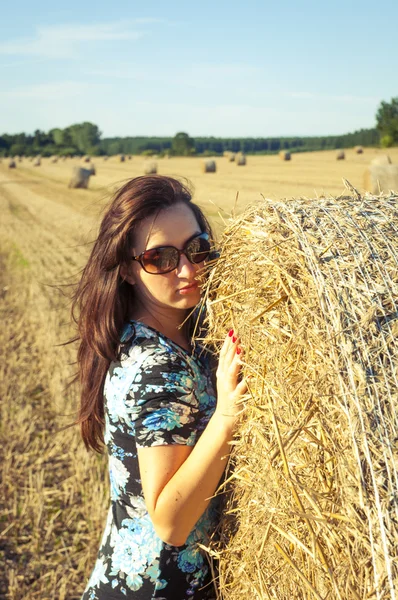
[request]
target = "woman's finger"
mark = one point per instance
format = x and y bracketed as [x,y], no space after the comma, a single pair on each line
[227,343]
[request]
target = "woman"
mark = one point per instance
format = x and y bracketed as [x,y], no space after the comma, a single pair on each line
[146,391]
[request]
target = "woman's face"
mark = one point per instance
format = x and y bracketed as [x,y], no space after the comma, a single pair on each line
[178,289]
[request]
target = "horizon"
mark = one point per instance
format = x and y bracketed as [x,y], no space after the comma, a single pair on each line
[218,71]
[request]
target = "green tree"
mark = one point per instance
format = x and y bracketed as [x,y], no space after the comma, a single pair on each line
[84,136]
[57,136]
[387,119]
[183,145]
[386,141]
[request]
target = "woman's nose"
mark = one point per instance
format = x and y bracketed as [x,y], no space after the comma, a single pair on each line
[185,267]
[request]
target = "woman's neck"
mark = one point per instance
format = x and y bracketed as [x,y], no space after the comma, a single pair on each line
[169,325]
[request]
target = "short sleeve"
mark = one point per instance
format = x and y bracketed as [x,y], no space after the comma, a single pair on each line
[166,406]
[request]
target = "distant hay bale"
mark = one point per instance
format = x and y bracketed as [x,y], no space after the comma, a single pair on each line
[106,157]
[232,157]
[240,159]
[285,155]
[209,166]
[37,161]
[86,158]
[54,159]
[129,157]
[91,168]
[358,149]
[310,501]
[122,158]
[150,167]
[12,164]
[80,178]
[340,155]
[381,178]
[382,159]
[229,155]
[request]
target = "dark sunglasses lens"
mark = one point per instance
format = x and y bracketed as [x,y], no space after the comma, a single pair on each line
[198,250]
[160,260]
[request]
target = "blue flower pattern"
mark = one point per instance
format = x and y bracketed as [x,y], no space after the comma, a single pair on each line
[156,393]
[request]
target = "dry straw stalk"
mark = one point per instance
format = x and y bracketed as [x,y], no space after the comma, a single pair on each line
[311,497]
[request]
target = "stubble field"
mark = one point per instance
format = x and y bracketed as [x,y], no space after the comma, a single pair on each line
[54,495]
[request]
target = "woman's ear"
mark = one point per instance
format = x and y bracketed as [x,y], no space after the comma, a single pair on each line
[126,274]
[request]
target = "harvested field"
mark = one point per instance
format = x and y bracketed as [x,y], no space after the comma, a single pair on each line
[53,497]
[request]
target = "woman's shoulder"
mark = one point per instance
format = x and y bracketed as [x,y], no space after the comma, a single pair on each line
[139,342]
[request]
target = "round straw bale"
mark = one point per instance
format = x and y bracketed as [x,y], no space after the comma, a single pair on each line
[54,159]
[358,149]
[122,158]
[86,158]
[381,178]
[129,157]
[340,155]
[310,498]
[80,178]
[91,168]
[12,164]
[106,157]
[285,155]
[150,167]
[37,161]
[209,166]
[382,159]
[240,160]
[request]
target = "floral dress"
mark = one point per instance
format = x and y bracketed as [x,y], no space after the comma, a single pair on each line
[156,393]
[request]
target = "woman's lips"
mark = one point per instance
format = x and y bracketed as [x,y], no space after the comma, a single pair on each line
[188,289]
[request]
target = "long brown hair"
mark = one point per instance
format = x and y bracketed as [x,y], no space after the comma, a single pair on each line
[102,300]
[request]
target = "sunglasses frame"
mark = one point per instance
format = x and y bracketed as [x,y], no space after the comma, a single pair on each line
[204,235]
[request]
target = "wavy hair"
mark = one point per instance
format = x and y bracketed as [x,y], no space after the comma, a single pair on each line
[103,300]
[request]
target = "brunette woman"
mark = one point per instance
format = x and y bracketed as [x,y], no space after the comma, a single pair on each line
[147,394]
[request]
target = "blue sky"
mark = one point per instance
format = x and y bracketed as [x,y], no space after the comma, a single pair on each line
[208,68]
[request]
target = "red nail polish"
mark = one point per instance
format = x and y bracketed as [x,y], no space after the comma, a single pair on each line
[234,339]
[238,351]
[231,332]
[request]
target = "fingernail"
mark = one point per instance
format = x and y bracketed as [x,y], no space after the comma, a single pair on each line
[231,332]
[238,351]
[234,339]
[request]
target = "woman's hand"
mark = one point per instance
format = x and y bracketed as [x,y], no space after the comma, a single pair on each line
[229,387]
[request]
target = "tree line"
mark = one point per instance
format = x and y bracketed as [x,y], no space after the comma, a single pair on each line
[86,138]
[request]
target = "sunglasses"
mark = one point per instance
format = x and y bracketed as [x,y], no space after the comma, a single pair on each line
[164,259]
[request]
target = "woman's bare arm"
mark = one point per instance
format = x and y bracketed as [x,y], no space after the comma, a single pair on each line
[178,481]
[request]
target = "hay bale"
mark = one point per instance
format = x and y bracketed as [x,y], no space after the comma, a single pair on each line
[381,178]
[129,157]
[340,155]
[382,159]
[150,167]
[240,159]
[37,161]
[106,157]
[80,178]
[229,155]
[285,155]
[91,168]
[86,158]
[209,166]
[358,149]
[122,158]
[54,159]
[12,164]
[310,287]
